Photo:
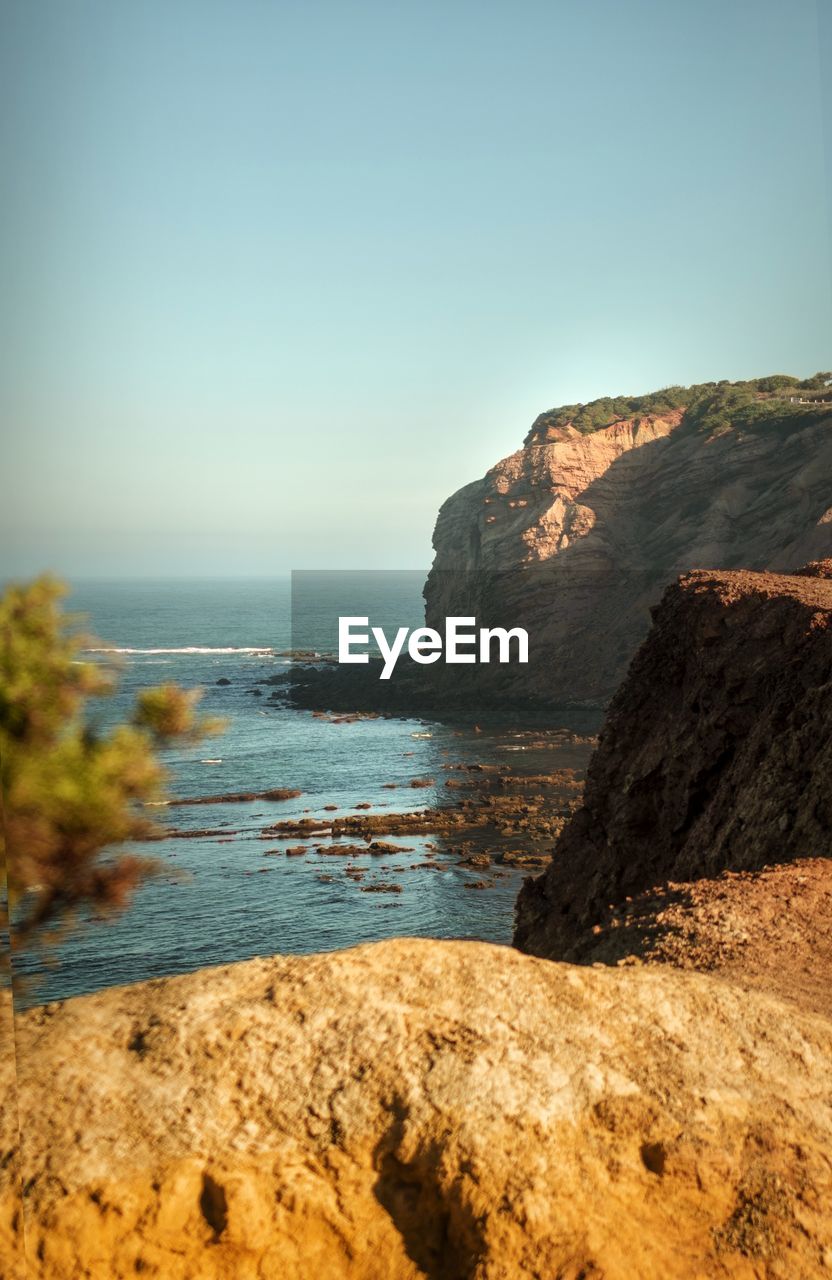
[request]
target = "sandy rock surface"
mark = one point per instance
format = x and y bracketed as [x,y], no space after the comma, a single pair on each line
[416,1108]
[11,1235]
[768,930]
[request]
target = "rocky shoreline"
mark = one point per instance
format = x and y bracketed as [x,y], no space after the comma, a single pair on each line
[455,697]
[490,819]
[462,1111]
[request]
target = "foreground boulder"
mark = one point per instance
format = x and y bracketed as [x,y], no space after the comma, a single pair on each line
[417,1108]
[716,754]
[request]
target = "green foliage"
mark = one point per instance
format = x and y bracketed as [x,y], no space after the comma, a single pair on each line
[170,712]
[818,382]
[71,795]
[708,405]
[741,407]
[777,381]
[602,413]
[720,407]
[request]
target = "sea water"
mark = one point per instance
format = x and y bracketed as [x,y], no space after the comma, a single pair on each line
[225,896]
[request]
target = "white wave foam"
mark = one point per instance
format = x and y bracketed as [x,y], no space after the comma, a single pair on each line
[191,648]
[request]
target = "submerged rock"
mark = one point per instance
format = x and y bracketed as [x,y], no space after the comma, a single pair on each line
[237,797]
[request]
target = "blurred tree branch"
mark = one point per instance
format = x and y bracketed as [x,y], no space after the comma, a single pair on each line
[71,795]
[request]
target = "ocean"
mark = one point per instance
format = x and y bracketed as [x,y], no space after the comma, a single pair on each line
[231,894]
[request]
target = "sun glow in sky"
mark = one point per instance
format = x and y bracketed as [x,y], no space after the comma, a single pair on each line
[279,277]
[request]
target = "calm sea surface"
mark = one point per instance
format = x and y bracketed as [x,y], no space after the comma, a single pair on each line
[220,898]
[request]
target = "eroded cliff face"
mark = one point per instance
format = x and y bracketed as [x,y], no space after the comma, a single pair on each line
[716,754]
[575,536]
[414,1109]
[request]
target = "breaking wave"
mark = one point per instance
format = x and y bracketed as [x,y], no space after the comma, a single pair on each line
[191,648]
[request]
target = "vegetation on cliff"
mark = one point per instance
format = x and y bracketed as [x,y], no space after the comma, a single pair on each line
[708,406]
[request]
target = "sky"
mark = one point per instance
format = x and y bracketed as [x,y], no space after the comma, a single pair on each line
[277,278]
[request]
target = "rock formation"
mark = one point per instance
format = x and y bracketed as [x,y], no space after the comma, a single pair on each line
[716,754]
[421,1109]
[767,930]
[576,535]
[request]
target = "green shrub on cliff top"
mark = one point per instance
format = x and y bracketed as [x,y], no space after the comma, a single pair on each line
[708,405]
[600,413]
[72,795]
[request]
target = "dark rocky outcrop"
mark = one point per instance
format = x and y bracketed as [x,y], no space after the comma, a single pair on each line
[452,695]
[716,754]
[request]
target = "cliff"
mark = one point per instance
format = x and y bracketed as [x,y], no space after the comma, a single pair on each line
[716,755]
[576,535]
[420,1109]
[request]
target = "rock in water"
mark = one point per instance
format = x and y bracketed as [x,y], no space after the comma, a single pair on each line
[716,754]
[421,1109]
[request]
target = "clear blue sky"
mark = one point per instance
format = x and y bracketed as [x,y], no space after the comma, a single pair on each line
[279,277]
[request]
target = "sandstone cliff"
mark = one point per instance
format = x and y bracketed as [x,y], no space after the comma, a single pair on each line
[576,535]
[449,1110]
[716,754]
